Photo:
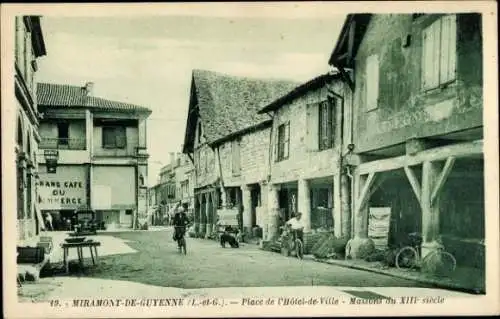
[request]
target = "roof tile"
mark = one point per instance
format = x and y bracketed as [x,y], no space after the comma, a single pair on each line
[229,104]
[63,95]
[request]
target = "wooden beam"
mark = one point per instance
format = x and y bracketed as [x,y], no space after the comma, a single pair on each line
[415,185]
[350,43]
[363,196]
[346,77]
[442,178]
[433,154]
[378,182]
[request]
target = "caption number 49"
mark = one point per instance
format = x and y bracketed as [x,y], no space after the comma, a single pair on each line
[55,303]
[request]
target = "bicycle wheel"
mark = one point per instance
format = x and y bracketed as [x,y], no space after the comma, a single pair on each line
[439,262]
[407,257]
[299,249]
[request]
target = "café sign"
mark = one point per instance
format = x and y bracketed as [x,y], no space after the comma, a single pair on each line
[62,192]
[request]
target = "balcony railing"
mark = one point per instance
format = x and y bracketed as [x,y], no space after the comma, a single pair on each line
[63,143]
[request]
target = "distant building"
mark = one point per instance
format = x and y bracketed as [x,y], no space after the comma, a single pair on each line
[417,129]
[102,163]
[229,143]
[29,46]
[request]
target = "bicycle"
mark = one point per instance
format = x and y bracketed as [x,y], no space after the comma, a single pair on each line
[438,261]
[181,242]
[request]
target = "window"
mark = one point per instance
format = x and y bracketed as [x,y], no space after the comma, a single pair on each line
[326,126]
[439,52]
[63,133]
[114,137]
[372,82]
[283,141]
[235,158]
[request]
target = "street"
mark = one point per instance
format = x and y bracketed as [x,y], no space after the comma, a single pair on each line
[157,262]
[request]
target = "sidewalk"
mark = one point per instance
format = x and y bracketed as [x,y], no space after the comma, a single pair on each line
[464,279]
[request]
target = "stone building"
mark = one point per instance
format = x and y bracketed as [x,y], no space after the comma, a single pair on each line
[29,47]
[417,142]
[306,151]
[175,185]
[102,156]
[184,181]
[229,144]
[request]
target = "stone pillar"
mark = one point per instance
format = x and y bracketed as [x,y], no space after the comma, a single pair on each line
[345,203]
[203,215]
[272,211]
[337,206]
[215,205]
[360,245]
[304,204]
[223,197]
[197,208]
[247,208]
[209,212]
[430,211]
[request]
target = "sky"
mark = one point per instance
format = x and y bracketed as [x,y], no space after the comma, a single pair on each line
[148,60]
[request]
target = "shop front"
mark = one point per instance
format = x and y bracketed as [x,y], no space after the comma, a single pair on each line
[63,193]
[114,195]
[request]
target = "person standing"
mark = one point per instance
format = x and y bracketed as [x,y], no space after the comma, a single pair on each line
[48,221]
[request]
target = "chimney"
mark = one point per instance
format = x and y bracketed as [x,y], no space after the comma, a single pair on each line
[89,86]
[172,158]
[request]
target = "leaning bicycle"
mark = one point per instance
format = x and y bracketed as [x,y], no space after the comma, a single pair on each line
[437,261]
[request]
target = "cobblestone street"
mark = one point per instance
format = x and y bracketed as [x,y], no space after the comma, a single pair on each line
[206,264]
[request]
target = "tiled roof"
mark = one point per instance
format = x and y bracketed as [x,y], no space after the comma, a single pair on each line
[300,90]
[229,104]
[63,95]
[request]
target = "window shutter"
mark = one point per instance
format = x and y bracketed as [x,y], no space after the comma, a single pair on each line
[312,131]
[120,136]
[431,55]
[372,82]
[448,48]
[108,137]
[276,143]
[286,147]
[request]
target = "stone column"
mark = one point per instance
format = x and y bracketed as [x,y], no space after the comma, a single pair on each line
[247,208]
[272,211]
[203,215]
[197,208]
[337,206]
[430,211]
[304,198]
[361,245]
[209,212]
[215,205]
[345,203]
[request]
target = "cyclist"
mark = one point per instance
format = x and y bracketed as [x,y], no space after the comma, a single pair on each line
[180,222]
[296,226]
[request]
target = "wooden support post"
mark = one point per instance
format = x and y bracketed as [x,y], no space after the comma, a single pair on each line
[442,178]
[415,185]
[363,196]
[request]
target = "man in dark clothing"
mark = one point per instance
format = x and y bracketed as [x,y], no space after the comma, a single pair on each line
[180,222]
